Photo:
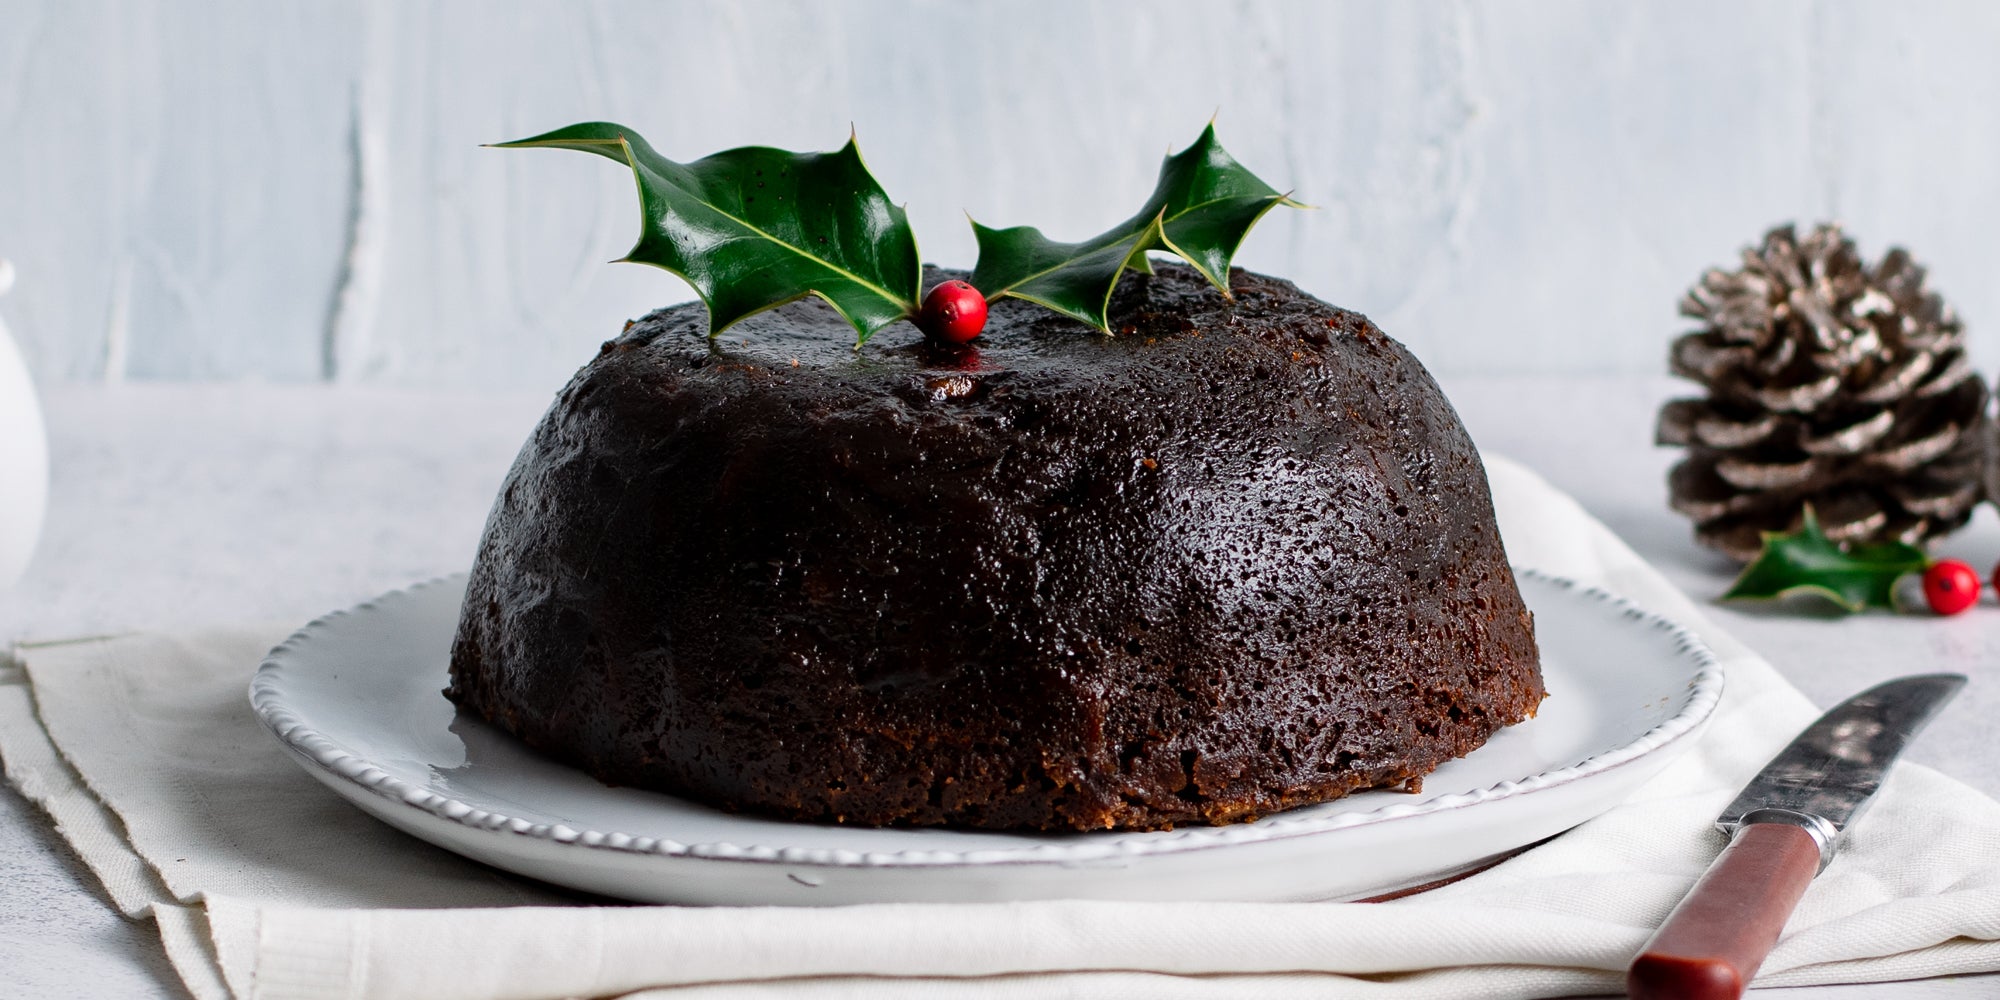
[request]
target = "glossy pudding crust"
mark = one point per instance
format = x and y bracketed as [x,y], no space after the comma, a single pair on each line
[1239,557]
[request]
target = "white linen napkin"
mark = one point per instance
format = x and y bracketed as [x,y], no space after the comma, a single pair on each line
[265,884]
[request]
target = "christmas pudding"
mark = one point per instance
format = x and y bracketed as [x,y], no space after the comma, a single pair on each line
[1238,557]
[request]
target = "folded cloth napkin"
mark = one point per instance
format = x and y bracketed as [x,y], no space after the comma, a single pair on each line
[264,884]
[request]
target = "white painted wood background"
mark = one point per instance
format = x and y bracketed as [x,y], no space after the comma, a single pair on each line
[295,192]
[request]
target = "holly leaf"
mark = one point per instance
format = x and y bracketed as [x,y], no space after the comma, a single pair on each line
[1075,279]
[1201,209]
[1808,562]
[754,228]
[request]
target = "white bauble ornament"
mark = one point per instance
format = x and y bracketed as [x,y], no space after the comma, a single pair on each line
[24,455]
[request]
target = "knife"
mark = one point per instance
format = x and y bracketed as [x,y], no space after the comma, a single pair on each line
[1783,829]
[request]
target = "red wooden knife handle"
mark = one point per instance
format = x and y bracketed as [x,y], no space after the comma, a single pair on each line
[1714,941]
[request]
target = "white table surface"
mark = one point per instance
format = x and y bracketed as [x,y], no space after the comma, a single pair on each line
[181,506]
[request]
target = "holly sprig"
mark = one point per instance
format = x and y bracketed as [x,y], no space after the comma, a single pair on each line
[1806,561]
[754,228]
[1202,207]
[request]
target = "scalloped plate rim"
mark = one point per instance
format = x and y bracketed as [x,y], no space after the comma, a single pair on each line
[318,750]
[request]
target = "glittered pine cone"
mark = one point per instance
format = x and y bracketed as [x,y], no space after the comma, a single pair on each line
[1829,383]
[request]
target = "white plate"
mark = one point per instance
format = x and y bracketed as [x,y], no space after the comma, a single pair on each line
[356,698]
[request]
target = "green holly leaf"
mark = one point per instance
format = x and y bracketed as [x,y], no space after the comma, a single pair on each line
[1075,279]
[755,228]
[1202,207]
[1808,562]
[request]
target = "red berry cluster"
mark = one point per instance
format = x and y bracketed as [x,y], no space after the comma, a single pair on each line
[1951,586]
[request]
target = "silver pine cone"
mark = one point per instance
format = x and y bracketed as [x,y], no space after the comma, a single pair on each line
[1831,384]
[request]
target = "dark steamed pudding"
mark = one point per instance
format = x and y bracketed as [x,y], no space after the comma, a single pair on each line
[1237,558]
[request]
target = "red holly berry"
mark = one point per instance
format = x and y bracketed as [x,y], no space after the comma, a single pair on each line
[1950,586]
[954,312]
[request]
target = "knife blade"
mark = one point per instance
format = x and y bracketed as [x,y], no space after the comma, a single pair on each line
[1783,829]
